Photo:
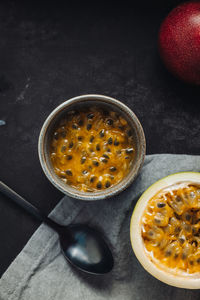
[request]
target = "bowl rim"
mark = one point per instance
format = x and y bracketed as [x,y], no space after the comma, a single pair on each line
[72,192]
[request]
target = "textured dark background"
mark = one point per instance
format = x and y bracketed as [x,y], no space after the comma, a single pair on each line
[50,52]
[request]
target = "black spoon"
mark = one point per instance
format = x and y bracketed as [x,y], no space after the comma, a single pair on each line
[81,245]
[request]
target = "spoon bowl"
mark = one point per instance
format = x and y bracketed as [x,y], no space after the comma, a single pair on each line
[86,249]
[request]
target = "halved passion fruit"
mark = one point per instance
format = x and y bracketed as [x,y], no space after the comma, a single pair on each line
[165,230]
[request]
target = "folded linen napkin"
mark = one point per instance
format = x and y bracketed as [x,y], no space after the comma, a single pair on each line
[40,271]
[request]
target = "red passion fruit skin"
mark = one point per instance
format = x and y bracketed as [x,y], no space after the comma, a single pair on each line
[179,42]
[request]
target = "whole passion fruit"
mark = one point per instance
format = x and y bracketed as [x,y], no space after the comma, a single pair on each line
[165,230]
[179,42]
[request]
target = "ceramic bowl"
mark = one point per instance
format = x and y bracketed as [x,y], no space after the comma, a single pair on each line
[88,101]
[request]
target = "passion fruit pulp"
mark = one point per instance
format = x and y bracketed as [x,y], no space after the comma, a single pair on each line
[165,230]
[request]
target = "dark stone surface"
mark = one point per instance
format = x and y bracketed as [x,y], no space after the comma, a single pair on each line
[52,52]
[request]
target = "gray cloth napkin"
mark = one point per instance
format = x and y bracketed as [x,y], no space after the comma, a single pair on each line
[40,271]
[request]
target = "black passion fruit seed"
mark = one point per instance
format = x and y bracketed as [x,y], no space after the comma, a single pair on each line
[71,144]
[83,160]
[110,122]
[188,217]
[98,147]
[91,139]
[161,204]
[107,184]
[74,126]
[68,172]
[99,185]
[92,179]
[69,157]
[116,142]
[56,135]
[110,141]
[80,123]
[198,260]
[130,150]
[63,149]
[104,160]
[168,253]
[89,126]
[113,169]
[102,133]
[90,116]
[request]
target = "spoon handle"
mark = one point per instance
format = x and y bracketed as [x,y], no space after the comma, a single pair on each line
[4,189]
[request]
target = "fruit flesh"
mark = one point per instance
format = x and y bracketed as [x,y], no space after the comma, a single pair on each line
[92,149]
[170,228]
